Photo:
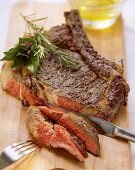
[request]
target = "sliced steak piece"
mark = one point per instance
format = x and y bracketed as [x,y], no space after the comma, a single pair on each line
[76,125]
[80,145]
[47,134]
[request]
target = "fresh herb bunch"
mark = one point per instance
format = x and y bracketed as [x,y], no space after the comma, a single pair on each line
[30,51]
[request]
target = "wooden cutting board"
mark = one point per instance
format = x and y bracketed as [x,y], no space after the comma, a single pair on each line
[115,153]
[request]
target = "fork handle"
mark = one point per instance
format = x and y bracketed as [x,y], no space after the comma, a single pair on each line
[124,134]
[3,163]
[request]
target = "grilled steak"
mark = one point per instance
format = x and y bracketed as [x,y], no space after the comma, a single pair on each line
[45,133]
[76,125]
[97,87]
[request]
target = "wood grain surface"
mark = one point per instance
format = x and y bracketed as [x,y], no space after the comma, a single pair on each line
[115,153]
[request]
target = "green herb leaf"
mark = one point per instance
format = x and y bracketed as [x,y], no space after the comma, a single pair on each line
[12,52]
[25,40]
[6,58]
[30,67]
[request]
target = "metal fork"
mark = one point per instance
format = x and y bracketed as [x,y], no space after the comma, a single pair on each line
[14,152]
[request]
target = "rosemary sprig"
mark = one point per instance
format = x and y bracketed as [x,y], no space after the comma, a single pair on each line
[64,57]
[30,51]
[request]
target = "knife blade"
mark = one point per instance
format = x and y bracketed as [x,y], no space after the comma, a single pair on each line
[109,129]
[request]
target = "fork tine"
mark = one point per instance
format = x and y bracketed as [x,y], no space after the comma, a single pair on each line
[22,143]
[30,150]
[24,146]
[22,149]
